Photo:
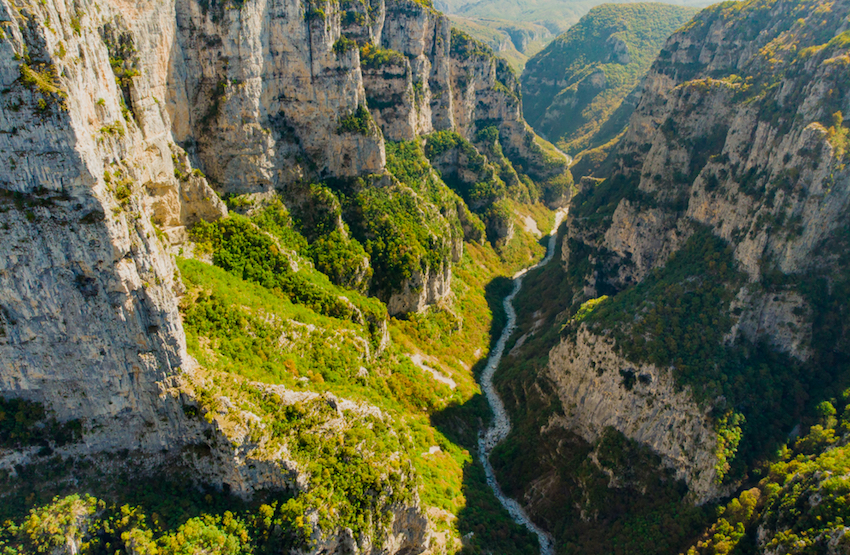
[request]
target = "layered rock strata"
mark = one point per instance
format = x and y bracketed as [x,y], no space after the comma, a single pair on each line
[739,130]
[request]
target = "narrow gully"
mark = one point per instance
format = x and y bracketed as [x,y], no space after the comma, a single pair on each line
[501,425]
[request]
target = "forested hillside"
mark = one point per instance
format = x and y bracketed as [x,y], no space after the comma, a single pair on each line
[582,88]
[518,30]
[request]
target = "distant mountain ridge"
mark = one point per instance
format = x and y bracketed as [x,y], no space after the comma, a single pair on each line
[581,89]
[499,22]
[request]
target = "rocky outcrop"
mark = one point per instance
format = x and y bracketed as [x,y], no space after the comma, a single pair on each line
[599,388]
[90,321]
[257,93]
[265,95]
[250,455]
[436,78]
[421,290]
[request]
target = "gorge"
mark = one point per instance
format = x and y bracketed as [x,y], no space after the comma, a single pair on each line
[501,426]
[262,286]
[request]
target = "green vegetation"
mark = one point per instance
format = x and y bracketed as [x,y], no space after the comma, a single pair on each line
[248,342]
[800,503]
[375,57]
[99,529]
[315,15]
[24,423]
[491,187]
[464,46]
[515,41]
[237,328]
[344,44]
[359,121]
[839,136]
[409,225]
[43,79]
[244,249]
[575,91]
[124,59]
[678,315]
[486,189]
[519,30]
[556,16]
[342,259]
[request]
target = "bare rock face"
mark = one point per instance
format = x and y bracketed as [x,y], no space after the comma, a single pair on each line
[439,79]
[259,92]
[421,290]
[90,321]
[599,388]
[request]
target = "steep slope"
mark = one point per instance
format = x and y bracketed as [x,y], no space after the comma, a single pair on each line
[124,126]
[798,506]
[701,297]
[582,88]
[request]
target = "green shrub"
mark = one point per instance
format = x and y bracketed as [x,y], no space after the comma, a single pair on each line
[315,14]
[344,44]
[43,79]
[360,121]
[441,141]
[244,250]
[342,259]
[24,423]
[464,46]
[375,57]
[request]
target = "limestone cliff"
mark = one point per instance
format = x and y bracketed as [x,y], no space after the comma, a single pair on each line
[117,117]
[598,388]
[739,131]
[90,322]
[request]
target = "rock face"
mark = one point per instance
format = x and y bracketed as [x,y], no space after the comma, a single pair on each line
[421,290]
[760,161]
[258,91]
[599,388]
[117,116]
[90,323]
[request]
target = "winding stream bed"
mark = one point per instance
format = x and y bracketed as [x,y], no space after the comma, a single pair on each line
[501,425]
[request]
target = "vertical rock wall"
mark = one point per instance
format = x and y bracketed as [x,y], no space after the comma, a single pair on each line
[90,322]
